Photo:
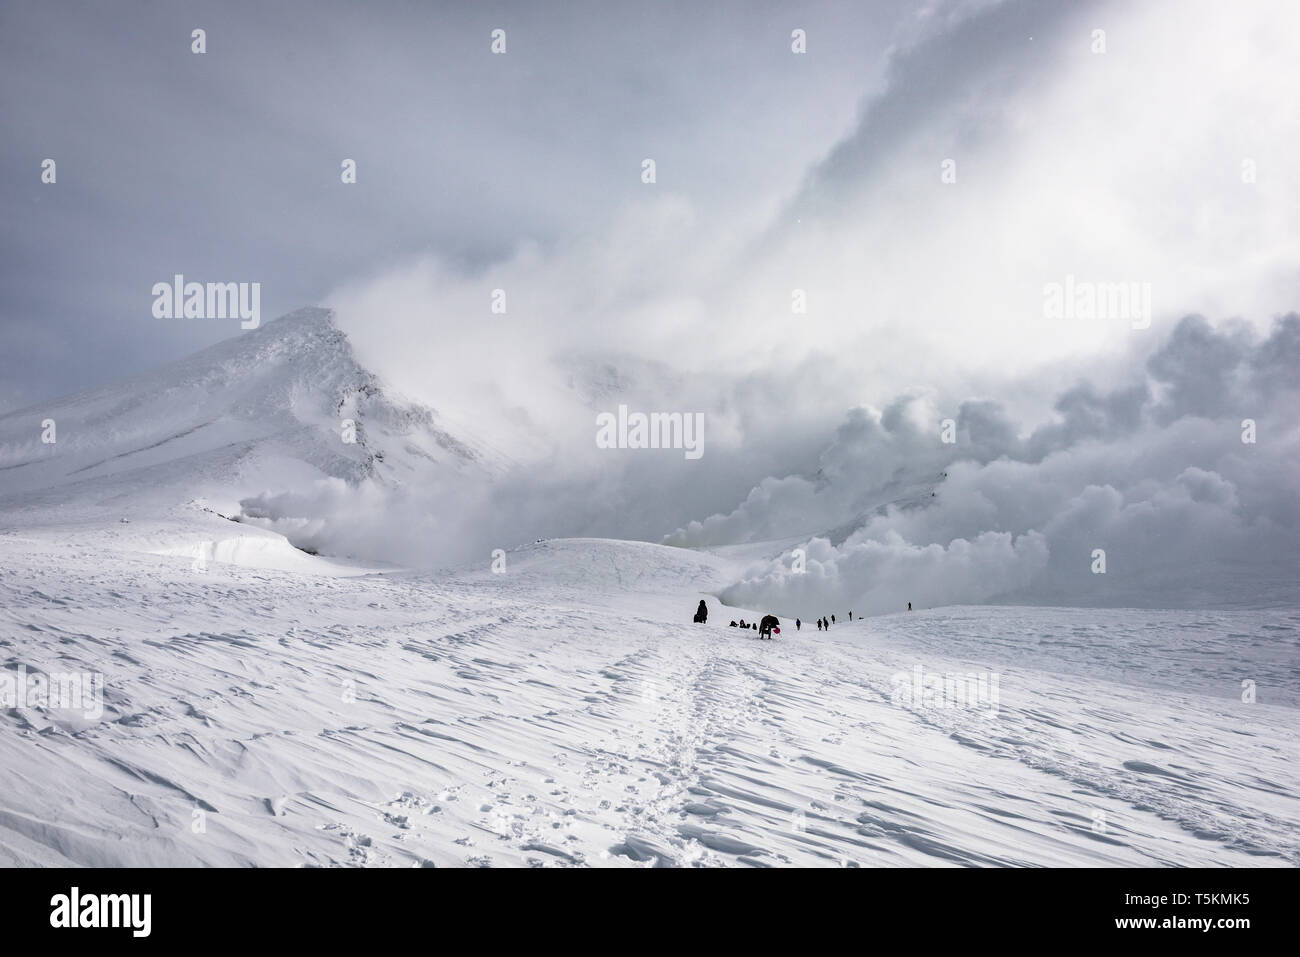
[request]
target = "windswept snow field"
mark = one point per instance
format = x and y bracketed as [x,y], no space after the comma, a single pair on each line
[567,712]
[265,705]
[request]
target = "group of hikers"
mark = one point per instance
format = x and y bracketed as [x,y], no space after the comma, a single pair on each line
[771,623]
[766,628]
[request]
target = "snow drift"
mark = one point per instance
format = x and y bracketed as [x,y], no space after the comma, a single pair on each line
[565,712]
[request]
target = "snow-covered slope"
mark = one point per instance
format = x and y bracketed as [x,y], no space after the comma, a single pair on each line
[259,429]
[260,412]
[554,704]
[565,711]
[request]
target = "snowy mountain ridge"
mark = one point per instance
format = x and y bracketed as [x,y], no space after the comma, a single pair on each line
[257,413]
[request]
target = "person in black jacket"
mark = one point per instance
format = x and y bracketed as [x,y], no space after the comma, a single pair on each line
[702,613]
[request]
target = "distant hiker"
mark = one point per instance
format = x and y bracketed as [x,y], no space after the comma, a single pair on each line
[798,624]
[702,613]
[832,618]
[826,623]
[769,622]
[909,606]
[733,624]
[742,623]
[819,624]
[850,614]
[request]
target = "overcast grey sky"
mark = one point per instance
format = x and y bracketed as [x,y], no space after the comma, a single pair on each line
[776,171]
[225,166]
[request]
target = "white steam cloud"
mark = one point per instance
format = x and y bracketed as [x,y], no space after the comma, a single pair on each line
[1126,165]
[1185,480]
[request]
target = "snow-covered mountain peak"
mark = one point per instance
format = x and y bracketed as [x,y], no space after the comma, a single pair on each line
[256,413]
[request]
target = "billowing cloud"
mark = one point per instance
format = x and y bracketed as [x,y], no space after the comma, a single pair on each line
[1112,162]
[1176,489]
